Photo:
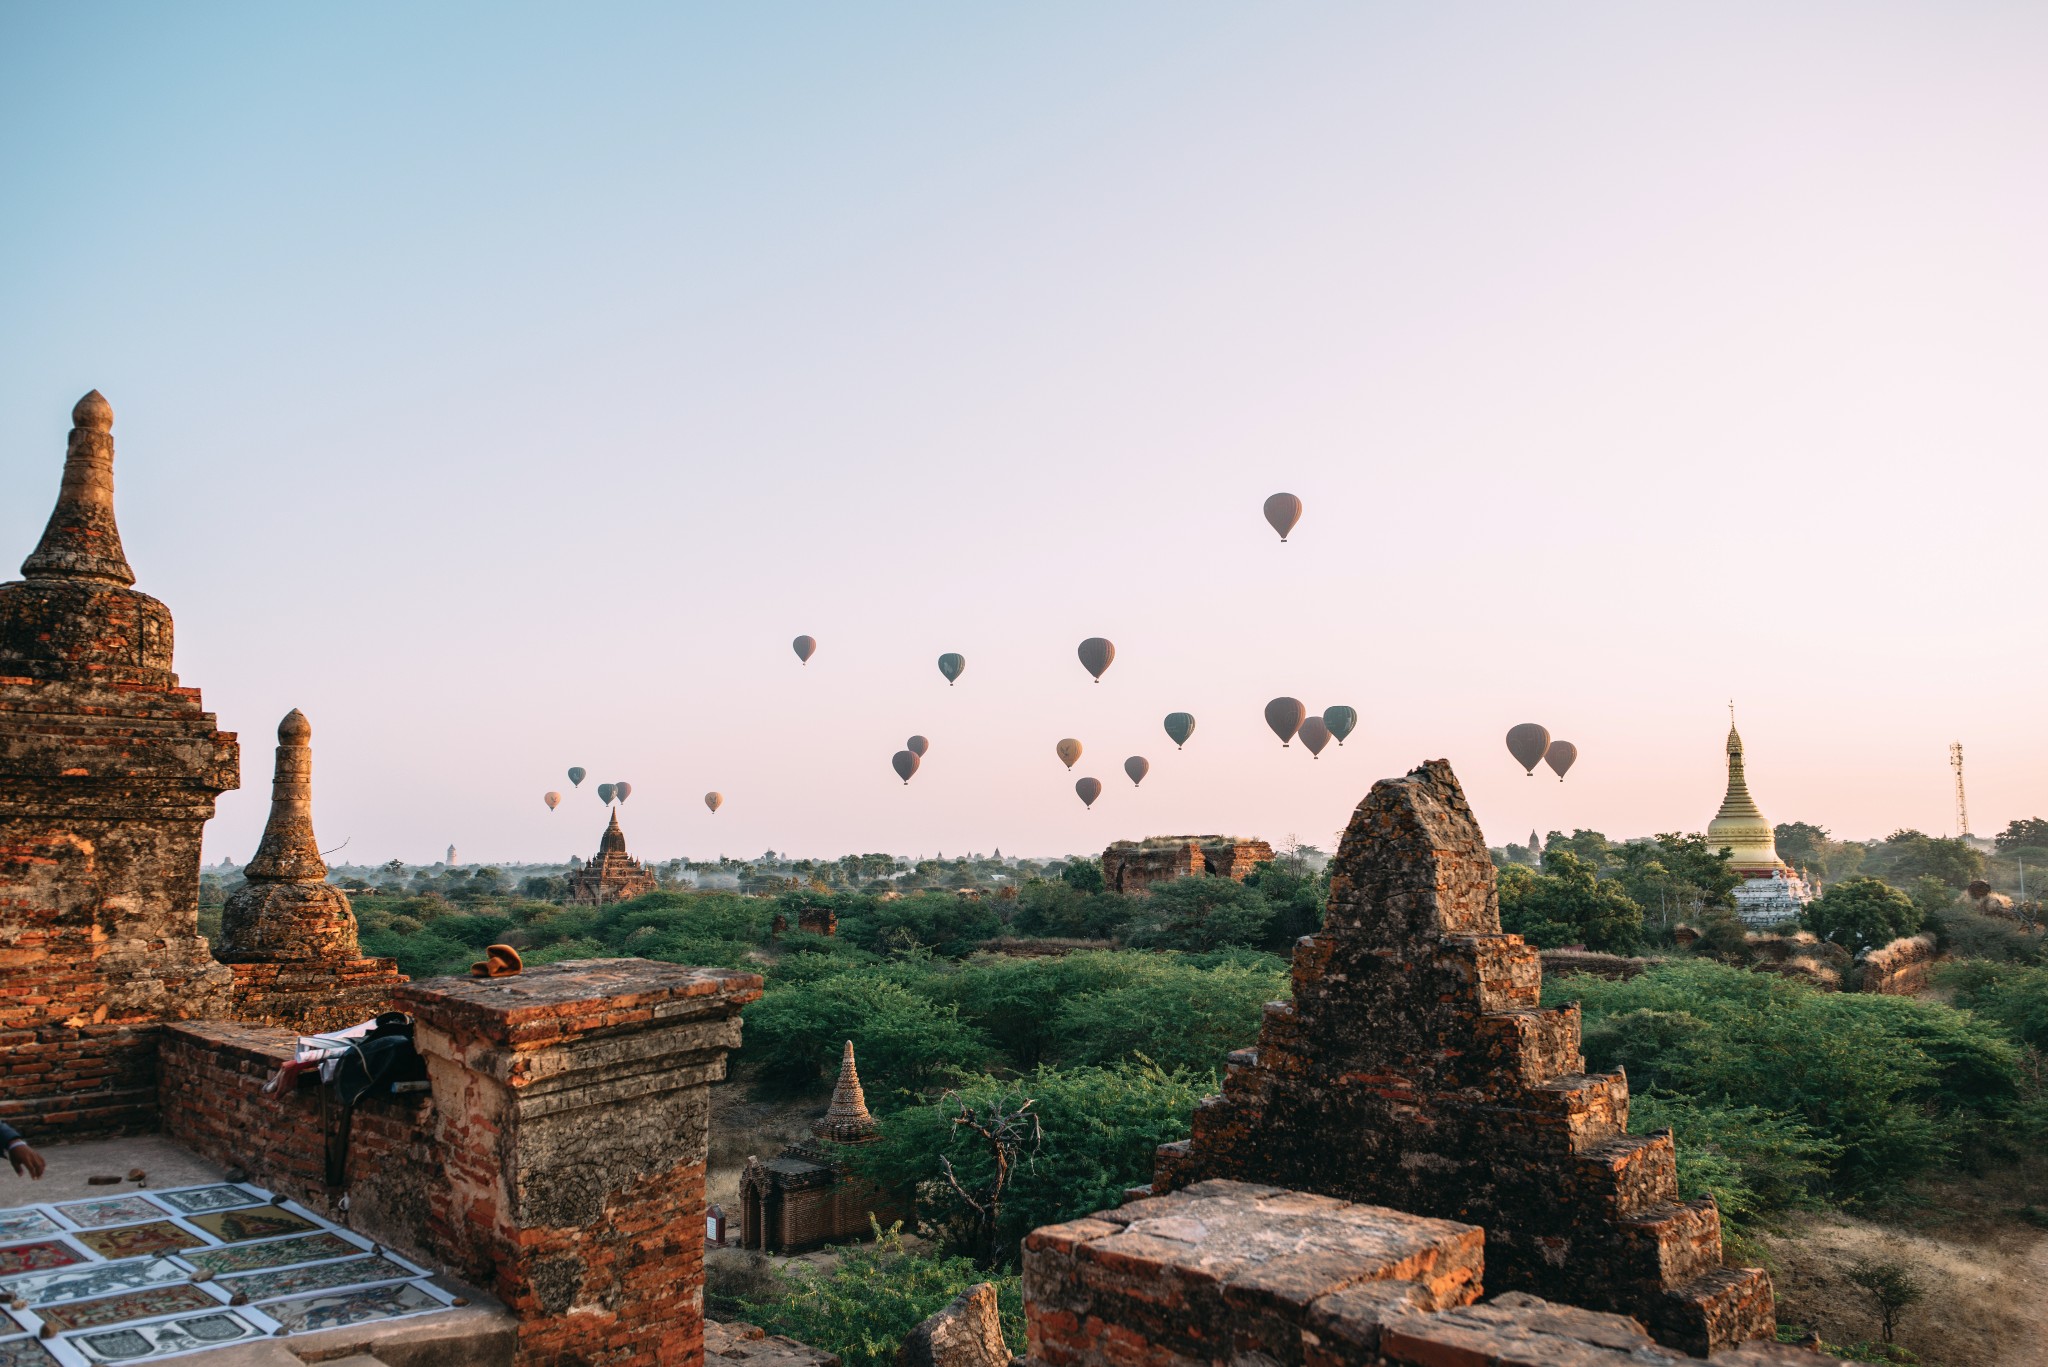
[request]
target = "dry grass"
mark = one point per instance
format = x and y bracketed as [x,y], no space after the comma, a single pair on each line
[1965,1238]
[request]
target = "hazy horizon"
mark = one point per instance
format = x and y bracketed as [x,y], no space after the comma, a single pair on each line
[506,390]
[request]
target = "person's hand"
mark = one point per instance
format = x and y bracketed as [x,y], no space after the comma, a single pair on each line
[27,1162]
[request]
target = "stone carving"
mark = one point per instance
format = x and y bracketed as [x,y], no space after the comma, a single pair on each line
[613,875]
[1415,1068]
[1131,866]
[108,772]
[967,1333]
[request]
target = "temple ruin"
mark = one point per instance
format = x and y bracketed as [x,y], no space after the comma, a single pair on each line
[612,875]
[108,773]
[1416,1068]
[1131,866]
[288,935]
[805,1196]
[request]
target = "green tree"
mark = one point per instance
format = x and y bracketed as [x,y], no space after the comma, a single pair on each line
[1175,1015]
[2031,833]
[1201,913]
[906,1042]
[1862,913]
[1083,875]
[864,1305]
[1567,904]
[1590,848]
[1803,846]
[1906,855]
[1060,909]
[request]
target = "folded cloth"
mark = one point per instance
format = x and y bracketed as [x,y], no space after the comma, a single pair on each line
[287,1077]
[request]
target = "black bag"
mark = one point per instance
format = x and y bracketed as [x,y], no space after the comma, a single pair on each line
[380,1063]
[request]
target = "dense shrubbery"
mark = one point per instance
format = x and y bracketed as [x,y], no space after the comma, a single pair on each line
[1779,1093]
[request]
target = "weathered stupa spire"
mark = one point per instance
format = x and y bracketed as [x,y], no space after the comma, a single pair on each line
[289,852]
[81,540]
[287,912]
[846,1120]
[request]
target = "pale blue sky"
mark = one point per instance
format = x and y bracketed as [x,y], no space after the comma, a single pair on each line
[506,385]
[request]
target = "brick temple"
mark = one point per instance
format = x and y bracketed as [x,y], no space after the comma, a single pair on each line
[612,875]
[805,1196]
[1131,866]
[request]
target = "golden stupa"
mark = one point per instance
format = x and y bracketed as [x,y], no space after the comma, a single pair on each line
[1739,827]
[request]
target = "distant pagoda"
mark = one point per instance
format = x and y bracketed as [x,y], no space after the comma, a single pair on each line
[612,875]
[1771,891]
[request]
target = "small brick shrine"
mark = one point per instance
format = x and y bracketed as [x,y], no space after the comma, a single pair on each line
[1415,1068]
[804,1197]
[1131,866]
[287,933]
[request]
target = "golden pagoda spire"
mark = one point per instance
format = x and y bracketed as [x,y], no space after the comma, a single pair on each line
[1740,826]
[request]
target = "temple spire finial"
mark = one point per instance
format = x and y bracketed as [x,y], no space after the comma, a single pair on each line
[846,1120]
[290,853]
[81,540]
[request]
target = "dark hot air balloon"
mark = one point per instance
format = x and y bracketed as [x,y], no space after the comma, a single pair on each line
[1068,750]
[553,800]
[917,745]
[714,800]
[1089,789]
[1341,721]
[1096,655]
[1315,735]
[805,647]
[622,791]
[1137,766]
[905,762]
[1180,725]
[952,666]
[1559,755]
[1284,716]
[605,793]
[1527,743]
[1283,511]
[576,777]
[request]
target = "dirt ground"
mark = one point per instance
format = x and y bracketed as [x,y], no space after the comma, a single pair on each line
[1982,1260]
[742,1126]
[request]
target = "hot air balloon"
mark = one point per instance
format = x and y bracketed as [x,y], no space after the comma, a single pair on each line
[1096,656]
[1283,511]
[605,792]
[805,647]
[576,777]
[1559,755]
[906,764]
[1137,766]
[1527,743]
[714,800]
[553,800]
[1089,789]
[952,666]
[1315,734]
[622,791]
[917,745]
[1341,721]
[1068,750]
[1284,716]
[1180,725]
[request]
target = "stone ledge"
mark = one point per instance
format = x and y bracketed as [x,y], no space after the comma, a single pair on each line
[557,1003]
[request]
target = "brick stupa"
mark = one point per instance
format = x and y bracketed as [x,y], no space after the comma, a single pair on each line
[1415,1068]
[289,934]
[108,773]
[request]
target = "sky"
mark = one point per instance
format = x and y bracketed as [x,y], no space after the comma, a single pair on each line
[507,385]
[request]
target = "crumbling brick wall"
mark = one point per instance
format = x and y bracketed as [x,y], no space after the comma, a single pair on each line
[1131,866]
[1416,1068]
[1902,968]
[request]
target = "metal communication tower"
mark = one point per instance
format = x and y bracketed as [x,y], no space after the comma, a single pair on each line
[1955,762]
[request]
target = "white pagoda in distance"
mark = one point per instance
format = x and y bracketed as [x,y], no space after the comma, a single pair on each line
[1771,891]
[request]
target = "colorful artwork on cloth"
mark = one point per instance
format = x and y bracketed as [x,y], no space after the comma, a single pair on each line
[352,1307]
[135,1305]
[112,1210]
[194,1200]
[262,1222]
[305,1248]
[134,1241]
[19,1224]
[24,1353]
[140,1342]
[37,1257]
[287,1281]
[52,1288]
